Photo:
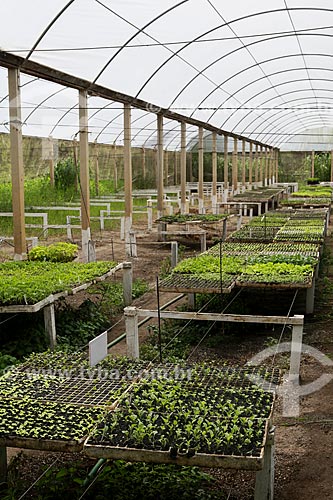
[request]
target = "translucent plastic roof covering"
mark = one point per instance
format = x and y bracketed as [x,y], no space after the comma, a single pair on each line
[259,69]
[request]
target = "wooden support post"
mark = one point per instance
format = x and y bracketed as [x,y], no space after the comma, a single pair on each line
[256,167]
[49,324]
[310,296]
[235,167]
[250,165]
[143,162]
[114,169]
[214,174]
[243,165]
[276,166]
[183,168]
[174,254]
[96,161]
[160,158]
[313,163]
[127,283]
[200,170]
[261,169]
[331,178]
[264,488]
[166,167]
[17,169]
[132,332]
[84,174]
[51,161]
[3,464]
[127,175]
[226,171]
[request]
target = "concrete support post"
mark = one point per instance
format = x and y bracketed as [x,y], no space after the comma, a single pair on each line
[226,171]
[250,165]
[17,169]
[174,254]
[235,167]
[127,283]
[200,170]
[160,161]
[214,174]
[295,353]
[127,175]
[310,296]
[183,168]
[264,488]
[49,324]
[84,174]
[203,242]
[132,332]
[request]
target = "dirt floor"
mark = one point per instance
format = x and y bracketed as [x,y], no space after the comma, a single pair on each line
[304,444]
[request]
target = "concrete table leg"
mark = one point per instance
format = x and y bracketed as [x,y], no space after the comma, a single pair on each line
[310,295]
[132,332]
[264,489]
[50,326]
[127,283]
[191,300]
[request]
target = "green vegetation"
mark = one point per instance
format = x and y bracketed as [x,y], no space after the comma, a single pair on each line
[182,218]
[57,252]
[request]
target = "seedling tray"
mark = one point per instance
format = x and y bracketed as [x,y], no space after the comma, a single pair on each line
[185,283]
[172,456]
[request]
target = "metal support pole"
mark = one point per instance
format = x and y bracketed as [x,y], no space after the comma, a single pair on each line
[225,173]
[183,168]
[132,332]
[127,175]
[160,161]
[214,174]
[200,170]
[50,326]
[84,174]
[127,283]
[17,169]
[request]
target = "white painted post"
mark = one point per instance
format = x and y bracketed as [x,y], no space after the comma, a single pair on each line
[264,488]
[45,225]
[69,229]
[122,228]
[214,174]
[150,215]
[225,171]
[50,327]
[295,352]
[183,168]
[127,175]
[160,166]
[127,283]
[132,332]
[174,254]
[200,171]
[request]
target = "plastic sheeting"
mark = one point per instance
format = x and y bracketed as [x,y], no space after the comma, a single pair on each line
[259,69]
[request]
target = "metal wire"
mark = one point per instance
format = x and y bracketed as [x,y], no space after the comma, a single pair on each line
[40,477]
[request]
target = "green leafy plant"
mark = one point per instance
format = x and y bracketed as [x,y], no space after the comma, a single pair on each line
[57,252]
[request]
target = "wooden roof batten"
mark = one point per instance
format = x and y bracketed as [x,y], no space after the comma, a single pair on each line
[38,70]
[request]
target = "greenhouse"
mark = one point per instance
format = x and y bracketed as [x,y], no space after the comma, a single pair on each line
[166,266]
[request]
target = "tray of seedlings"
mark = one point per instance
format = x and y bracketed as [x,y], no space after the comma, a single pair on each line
[30,282]
[278,271]
[258,195]
[209,418]
[254,234]
[53,400]
[186,218]
[241,249]
[203,274]
[301,232]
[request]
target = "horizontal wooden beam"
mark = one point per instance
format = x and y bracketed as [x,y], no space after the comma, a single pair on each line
[232,318]
[35,69]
